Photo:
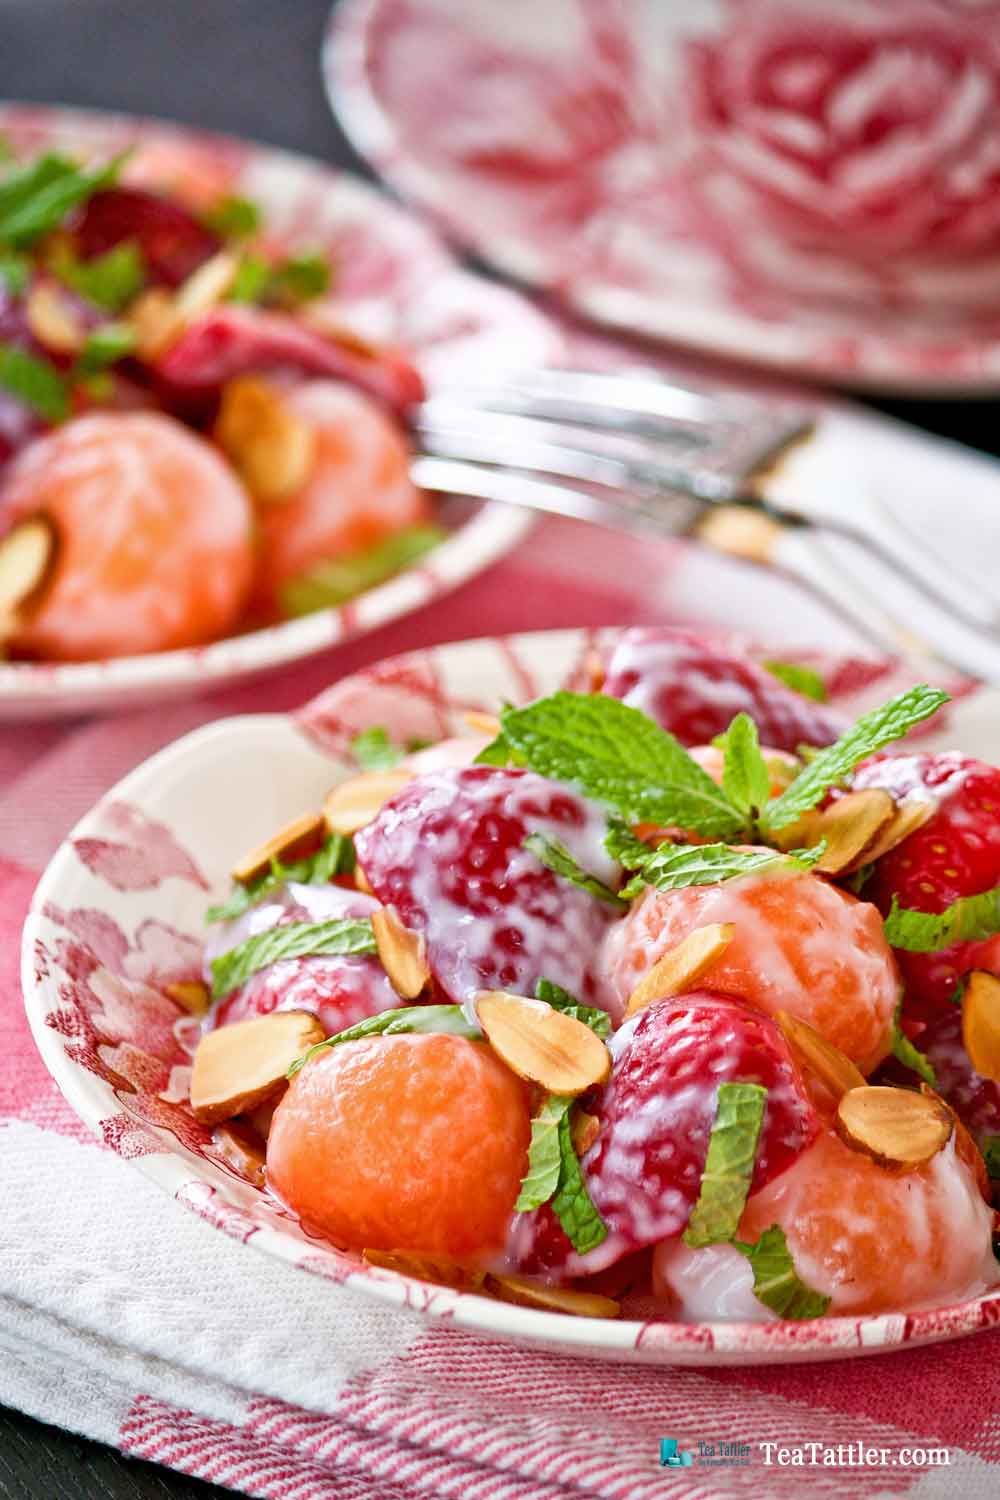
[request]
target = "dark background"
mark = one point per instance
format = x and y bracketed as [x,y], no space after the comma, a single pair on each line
[250,67]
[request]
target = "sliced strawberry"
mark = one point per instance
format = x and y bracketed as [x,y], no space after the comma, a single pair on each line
[447,852]
[694,688]
[655,1115]
[172,241]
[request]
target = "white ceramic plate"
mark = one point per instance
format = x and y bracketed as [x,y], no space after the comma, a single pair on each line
[118,914]
[397,283]
[697,172]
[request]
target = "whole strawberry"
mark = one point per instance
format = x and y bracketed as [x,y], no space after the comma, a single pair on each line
[956,853]
[695,689]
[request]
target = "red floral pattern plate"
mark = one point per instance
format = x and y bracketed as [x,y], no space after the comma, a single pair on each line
[118,916]
[395,282]
[815,188]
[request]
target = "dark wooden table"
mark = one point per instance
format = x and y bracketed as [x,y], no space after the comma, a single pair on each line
[250,67]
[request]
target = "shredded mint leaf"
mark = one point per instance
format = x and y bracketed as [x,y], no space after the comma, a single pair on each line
[334,582]
[35,382]
[103,347]
[335,857]
[450,1019]
[745,777]
[289,940]
[571,1202]
[41,198]
[672,866]
[556,856]
[252,276]
[729,1164]
[872,732]
[775,1281]
[800,679]
[553,994]
[616,755]
[989,1145]
[15,271]
[233,218]
[110,281]
[374,751]
[300,278]
[970,919]
[544,1154]
[909,1055]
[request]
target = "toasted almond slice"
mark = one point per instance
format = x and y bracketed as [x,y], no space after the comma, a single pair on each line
[981,1023]
[542,1044]
[584,1130]
[682,966]
[237,1067]
[267,441]
[296,839]
[594,672]
[552,1298]
[912,813]
[26,556]
[482,723]
[362,882]
[965,1147]
[741,532]
[898,1128]
[243,1149]
[356,802]
[433,1268]
[52,320]
[261,1117]
[155,321]
[191,994]
[833,1068]
[850,826]
[403,953]
[206,286]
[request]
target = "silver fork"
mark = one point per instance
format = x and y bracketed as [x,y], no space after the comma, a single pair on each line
[646,453]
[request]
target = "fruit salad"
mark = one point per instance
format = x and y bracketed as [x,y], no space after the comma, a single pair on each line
[191,444]
[583,1010]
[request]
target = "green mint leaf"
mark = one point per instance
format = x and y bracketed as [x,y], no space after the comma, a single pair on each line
[103,347]
[616,755]
[15,271]
[26,216]
[970,919]
[499,752]
[872,732]
[571,1202]
[989,1145]
[335,857]
[252,276]
[556,857]
[553,994]
[623,845]
[374,751]
[775,1281]
[745,777]
[298,279]
[544,1155]
[909,1055]
[289,940]
[233,218]
[35,382]
[109,281]
[672,866]
[450,1019]
[729,1164]
[340,579]
[21,184]
[800,679]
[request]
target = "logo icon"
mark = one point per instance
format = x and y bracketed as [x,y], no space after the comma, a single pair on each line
[670,1458]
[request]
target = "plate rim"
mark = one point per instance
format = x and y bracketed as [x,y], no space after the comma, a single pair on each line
[652,1341]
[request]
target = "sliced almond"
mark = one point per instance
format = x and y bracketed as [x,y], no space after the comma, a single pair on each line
[433,1268]
[850,827]
[270,445]
[52,319]
[260,1118]
[206,286]
[912,813]
[552,1298]
[362,882]
[594,672]
[26,556]
[741,532]
[584,1130]
[155,321]
[482,723]
[965,1147]
[354,803]
[191,994]
[981,1023]
[403,953]
[833,1068]
[541,1044]
[243,1149]
[682,966]
[897,1128]
[296,839]
[237,1067]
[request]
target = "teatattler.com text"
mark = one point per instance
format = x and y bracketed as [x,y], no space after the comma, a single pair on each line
[851,1455]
